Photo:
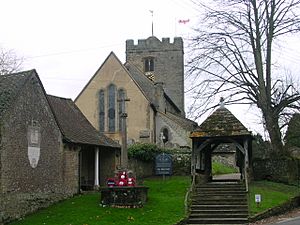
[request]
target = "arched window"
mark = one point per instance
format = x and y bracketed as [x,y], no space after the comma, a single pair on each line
[121,106]
[111,108]
[165,137]
[149,65]
[101,111]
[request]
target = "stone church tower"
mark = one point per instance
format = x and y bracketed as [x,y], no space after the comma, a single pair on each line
[161,62]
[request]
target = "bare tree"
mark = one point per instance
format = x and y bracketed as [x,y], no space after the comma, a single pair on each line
[9,61]
[231,54]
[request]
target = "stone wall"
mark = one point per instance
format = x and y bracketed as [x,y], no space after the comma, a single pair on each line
[108,163]
[17,175]
[279,170]
[181,165]
[71,170]
[16,205]
[24,187]
[227,159]
[141,168]
[168,63]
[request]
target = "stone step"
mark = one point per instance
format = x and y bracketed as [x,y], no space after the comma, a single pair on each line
[220,211]
[219,202]
[207,189]
[224,195]
[218,215]
[217,221]
[220,196]
[219,184]
[219,207]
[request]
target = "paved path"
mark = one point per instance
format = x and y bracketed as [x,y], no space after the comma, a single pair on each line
[289,218]
[231,176]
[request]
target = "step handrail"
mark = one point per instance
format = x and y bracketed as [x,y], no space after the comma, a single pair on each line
[188,194]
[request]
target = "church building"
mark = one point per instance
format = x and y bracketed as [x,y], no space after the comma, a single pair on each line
[148,89]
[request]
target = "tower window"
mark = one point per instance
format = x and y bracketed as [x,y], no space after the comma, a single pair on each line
[149,65]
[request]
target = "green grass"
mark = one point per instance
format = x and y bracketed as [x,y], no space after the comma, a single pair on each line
[272,194]
[219,168]
[165,206]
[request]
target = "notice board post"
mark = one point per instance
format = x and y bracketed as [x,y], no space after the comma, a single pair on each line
[163,165]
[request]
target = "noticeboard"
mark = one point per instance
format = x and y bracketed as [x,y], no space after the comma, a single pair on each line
[163,164]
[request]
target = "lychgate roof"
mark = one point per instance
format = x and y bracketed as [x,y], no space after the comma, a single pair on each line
[74,125]
[221,123]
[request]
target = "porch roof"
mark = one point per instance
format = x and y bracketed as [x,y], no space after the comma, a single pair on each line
[74,125]
[222,123]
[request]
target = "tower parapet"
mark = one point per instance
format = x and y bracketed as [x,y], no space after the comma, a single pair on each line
[154,43]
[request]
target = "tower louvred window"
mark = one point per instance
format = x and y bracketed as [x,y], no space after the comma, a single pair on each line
[149,65]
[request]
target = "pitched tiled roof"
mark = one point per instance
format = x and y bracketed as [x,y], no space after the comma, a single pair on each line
[221,123]
[146,85]
[182,121]
[10,86]
[74,125]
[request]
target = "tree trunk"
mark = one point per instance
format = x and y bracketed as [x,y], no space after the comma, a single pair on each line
[274,133]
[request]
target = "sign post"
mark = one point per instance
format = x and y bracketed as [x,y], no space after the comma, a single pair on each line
[163,165]
[258,199]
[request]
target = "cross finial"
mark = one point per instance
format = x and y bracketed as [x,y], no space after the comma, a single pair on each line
[151,11]
[222,104]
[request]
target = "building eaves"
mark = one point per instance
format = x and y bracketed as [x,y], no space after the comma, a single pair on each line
[74,125]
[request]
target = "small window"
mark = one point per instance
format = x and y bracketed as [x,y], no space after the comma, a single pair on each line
[149,65]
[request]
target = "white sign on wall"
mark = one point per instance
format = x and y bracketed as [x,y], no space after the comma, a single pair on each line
[34,142]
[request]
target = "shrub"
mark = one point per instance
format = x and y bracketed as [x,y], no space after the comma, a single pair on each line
[144,151]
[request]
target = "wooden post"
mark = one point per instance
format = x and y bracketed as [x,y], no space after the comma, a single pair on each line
[96,183]
[246,162]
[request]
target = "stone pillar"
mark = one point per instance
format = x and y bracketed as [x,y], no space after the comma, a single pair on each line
[96,183]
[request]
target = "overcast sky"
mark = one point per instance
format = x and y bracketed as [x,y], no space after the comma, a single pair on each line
[66,41]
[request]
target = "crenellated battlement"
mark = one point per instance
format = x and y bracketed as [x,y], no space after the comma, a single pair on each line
[154,43]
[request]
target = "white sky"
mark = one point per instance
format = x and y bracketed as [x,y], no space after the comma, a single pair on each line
[66,41]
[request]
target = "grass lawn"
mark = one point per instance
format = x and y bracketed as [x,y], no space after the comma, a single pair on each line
[165,206]
[272,194]
[219,168]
